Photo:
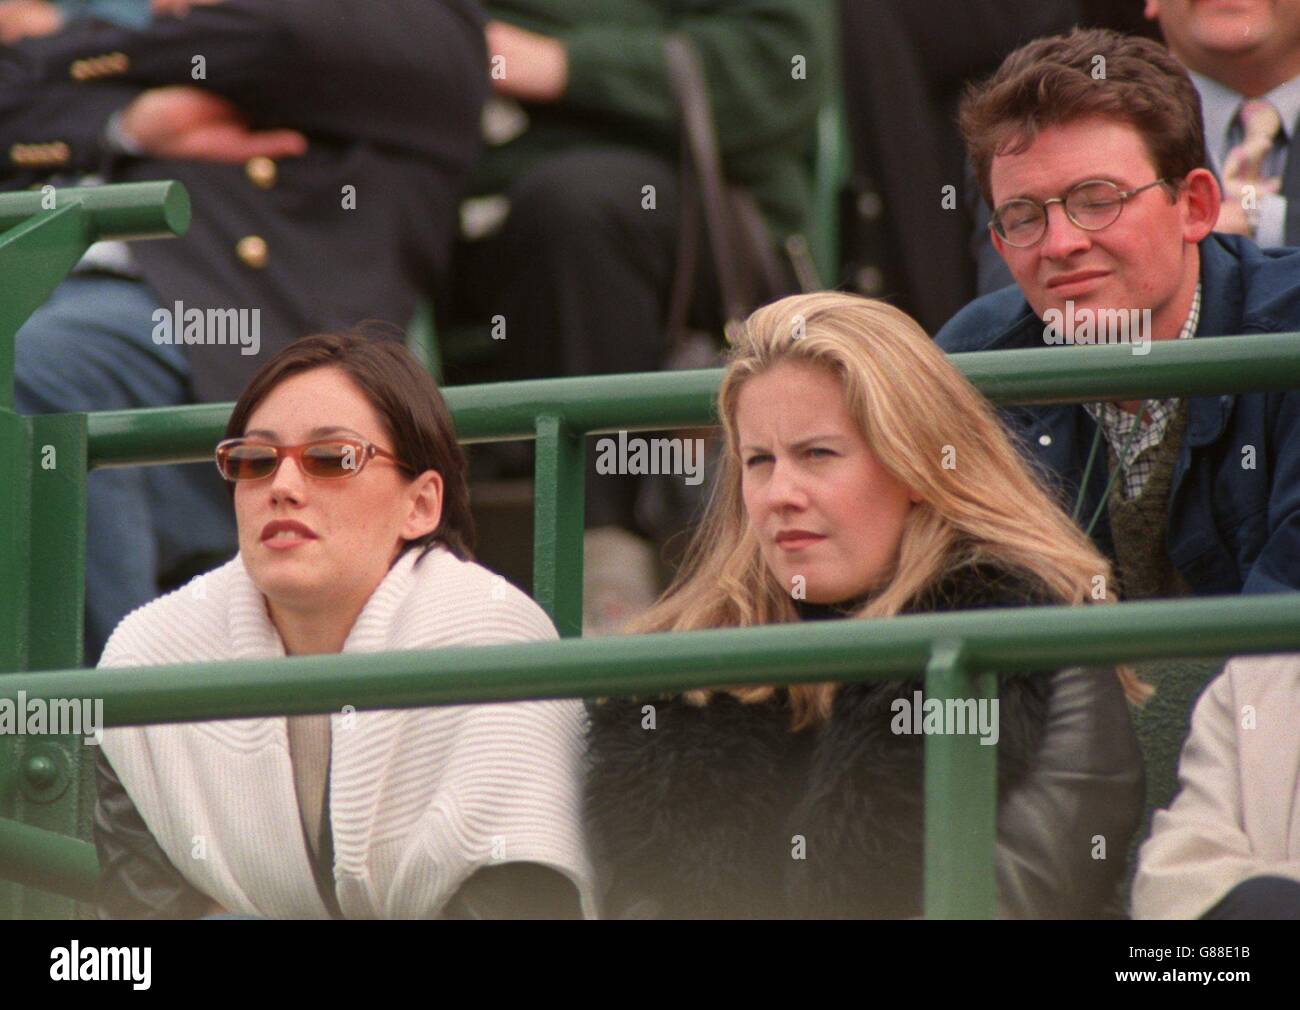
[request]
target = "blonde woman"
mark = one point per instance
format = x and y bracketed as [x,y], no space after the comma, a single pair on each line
[862,478]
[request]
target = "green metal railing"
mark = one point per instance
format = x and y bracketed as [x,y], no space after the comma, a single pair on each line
[42,531]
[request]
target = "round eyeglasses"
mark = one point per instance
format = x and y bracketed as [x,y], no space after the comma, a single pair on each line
[241,459]
[1091,205]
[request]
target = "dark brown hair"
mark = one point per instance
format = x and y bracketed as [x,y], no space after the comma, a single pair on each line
[1089,73]
[406,398]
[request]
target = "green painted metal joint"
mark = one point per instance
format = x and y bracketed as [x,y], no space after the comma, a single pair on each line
[125,211]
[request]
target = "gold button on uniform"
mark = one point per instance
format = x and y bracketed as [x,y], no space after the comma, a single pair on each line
[96,67]
[261,171]
[50,155]
[252,250]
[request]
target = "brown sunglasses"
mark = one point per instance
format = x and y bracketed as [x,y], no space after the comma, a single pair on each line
[241,459]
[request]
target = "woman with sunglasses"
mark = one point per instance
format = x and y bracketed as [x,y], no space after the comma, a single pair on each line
[354,536]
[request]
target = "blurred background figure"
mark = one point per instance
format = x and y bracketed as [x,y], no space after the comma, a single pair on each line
[312,137]
[912,204]
[569,252]
[1244,59]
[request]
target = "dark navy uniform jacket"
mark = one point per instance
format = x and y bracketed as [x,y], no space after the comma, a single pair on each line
[389,96]
[1231,528]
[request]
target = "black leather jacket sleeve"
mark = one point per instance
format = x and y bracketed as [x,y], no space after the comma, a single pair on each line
[1065,827]
[137,880]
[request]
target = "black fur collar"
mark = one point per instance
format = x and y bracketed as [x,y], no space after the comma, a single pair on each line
[723,811]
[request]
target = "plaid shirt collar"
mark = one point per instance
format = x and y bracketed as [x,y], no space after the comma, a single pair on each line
[1118,425]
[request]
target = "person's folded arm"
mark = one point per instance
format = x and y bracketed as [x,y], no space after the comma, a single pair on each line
[407,74]
[51,126]
[410,76]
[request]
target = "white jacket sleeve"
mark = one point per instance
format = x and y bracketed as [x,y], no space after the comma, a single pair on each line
[1199,849]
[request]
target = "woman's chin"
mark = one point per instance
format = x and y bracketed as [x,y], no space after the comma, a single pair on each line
[286,587]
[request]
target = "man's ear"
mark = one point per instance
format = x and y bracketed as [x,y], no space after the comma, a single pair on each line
[1200,197]
[425,511]
[998,244]
[1152,10]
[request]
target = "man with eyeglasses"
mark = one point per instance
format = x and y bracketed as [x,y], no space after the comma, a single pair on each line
[1090,149]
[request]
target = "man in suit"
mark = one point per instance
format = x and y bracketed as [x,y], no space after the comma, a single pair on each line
[1245,62]
[323,145]
[1102,205]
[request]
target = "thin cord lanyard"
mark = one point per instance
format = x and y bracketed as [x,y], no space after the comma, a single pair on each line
[1120,466]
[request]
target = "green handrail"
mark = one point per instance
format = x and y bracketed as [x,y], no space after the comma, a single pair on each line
[1033,639]
[1029,640]
[598,404]
[128,211]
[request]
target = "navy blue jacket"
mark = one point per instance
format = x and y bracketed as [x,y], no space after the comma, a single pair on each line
[1231,529]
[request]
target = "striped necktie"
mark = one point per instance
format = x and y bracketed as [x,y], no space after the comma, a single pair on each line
[1260,125]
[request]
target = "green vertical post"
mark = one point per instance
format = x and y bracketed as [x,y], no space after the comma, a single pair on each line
[960,799]
[557,523]
[34,257]
[44,781]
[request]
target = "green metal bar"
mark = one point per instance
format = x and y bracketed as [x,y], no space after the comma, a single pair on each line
[156,434]
[960,798]
[15,602]
[42,517]
[41,250]
[57,469]
[557,524]
[42,497]
[662,400]
[133,210]
[47,861]
[1206,366]
[15,540]
[1030,639]
[50,791]
[43,234]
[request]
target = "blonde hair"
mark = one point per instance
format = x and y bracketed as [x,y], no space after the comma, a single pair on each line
[914,410]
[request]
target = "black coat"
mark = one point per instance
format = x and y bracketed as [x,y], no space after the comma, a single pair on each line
[697,817]
[389,97]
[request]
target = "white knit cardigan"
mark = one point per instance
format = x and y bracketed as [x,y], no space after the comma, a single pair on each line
[419,798]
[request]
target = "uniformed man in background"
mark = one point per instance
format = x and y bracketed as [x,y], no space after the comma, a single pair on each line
[323,144]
